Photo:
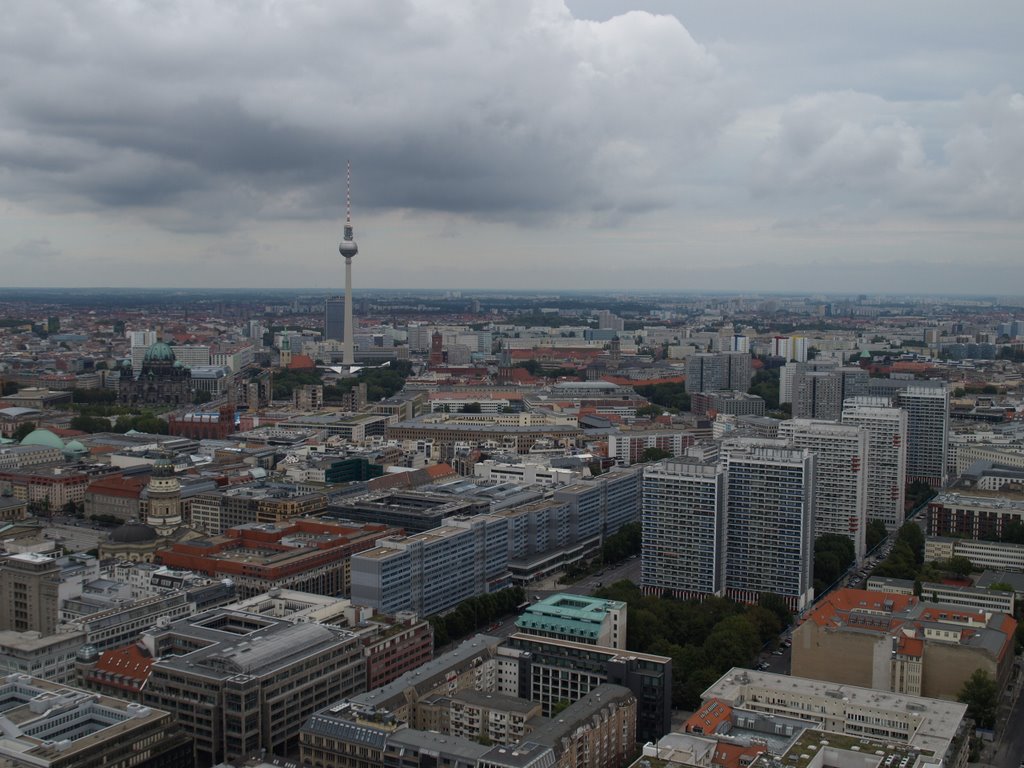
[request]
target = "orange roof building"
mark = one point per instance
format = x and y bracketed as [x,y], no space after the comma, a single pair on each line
[899,643]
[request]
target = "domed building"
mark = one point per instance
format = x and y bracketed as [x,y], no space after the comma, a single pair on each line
[138,542]
[162,380]
[73,450]
[133,541]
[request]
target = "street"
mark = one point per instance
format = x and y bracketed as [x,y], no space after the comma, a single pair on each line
[1008,749]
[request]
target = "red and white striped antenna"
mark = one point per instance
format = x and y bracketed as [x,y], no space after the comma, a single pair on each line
[348,193]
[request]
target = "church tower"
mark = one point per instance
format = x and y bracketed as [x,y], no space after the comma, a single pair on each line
[164,491]
[286,351]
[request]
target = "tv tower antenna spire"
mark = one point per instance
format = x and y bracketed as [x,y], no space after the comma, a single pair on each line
[348,249]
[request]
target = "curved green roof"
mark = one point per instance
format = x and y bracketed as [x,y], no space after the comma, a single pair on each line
[43,437]
[159,352]
[74,446]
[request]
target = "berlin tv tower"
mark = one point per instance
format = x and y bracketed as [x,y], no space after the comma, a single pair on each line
[348,249]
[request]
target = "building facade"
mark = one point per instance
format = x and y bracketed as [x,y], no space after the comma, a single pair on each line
[770,529]
[840,476]
[887,456]
[683,528]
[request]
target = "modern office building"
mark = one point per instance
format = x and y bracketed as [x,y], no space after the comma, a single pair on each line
[820,394]
[976,515]
[716,371]
[580,618]
[238,683]
[50,725]
[788,373]
[683,528]
[334,318]
[733,402]
[432,571]
[770,521]
[840,476]
[927,433]
[612,499]
[886,467]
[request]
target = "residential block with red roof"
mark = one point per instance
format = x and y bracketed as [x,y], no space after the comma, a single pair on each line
[902,644]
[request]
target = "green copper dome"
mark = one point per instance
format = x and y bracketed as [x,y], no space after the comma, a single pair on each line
[159,352]
[43,437]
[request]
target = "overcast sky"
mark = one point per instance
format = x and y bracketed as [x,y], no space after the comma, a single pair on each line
[725,144]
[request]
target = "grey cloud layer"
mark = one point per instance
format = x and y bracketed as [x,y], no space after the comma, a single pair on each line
[222,110]
[199,115]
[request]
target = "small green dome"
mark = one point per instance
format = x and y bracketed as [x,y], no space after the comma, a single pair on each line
[74,447]
[159,352]
[43,437]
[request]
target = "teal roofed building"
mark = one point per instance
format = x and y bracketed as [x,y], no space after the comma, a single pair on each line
[577,618]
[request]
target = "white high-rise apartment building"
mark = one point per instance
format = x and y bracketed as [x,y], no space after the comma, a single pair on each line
[887,456]
[840,475]
[769,543]
[683,528]
[790,347]
[927,432]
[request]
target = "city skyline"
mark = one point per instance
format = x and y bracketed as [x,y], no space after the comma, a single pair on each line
[597,145]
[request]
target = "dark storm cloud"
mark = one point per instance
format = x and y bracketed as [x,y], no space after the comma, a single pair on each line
[235,109]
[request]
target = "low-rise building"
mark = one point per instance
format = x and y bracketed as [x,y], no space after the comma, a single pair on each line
[560,670]
[579,618]
[894,642]
[48,656]
[933,726]
[306,555]
[49,725]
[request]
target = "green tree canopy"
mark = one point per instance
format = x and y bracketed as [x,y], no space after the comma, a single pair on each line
[959,566]
[655,454]
[910,533]
[24,430]
[875,534]
[981,695]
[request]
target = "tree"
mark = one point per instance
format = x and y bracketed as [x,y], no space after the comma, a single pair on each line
[1013,532]
[875,534]
[959,566]
[649,410]
[655,454]
[23,431]
[765,385]
[777,605]
[981,695]
[833,554]
[201,396]
[911,534]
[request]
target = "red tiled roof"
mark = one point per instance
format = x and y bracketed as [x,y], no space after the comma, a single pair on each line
[844,601]
[130,661]
[729,755]
[439,471]
[301,363]
[706,720]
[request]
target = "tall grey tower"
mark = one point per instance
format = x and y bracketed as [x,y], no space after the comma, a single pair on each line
[348,248]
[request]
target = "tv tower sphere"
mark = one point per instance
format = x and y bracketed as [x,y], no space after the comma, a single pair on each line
[348,247]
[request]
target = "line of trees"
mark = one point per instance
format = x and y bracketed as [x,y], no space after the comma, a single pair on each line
[474,613]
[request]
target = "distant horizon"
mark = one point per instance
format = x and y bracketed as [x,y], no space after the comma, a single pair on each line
[554,292]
